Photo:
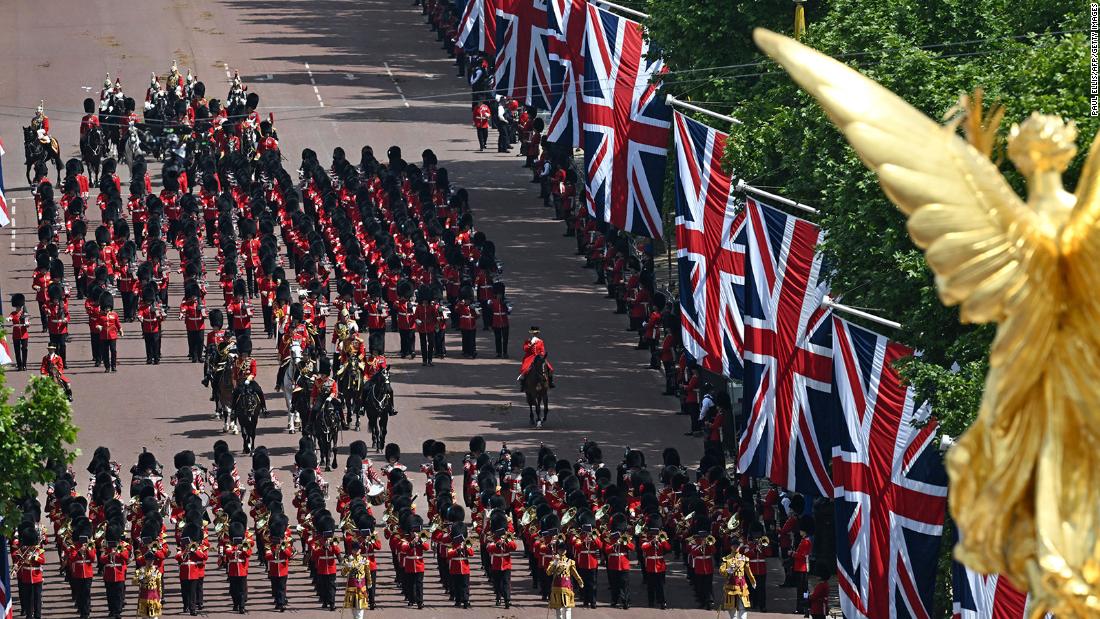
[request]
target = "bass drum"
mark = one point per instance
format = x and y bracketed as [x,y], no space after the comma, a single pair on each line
[376,494]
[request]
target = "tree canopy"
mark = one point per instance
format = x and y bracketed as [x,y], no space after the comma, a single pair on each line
[36,437]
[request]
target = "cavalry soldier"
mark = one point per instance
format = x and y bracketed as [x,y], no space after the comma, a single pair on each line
[534,347]
[20,330]
[90,119]
[244,372]
[324,387]
[214,340]
[40,123]
[352,350]
[53,365]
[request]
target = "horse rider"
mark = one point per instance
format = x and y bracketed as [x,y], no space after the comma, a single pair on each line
[40,123]
[244,372]
[352,349]
[324,387]
[375,363]
[53,363]
[535,347]
[90,119]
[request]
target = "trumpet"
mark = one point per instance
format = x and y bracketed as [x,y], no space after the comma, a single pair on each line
[662,537]
[507,537]
[763,542]
[710,541]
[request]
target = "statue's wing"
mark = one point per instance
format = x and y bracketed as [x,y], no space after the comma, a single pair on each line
[1081,236]
[983,243]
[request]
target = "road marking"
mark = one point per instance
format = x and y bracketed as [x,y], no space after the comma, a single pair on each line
[13,224]
[349,76]
[320,101]
[395,84]
[228,74]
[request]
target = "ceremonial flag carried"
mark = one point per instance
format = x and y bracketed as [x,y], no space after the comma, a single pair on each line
[787,355]
[566,21]
[891,486]
[710,250]
[981,596]
[626,125]
[5,578]
[5,217]
[522,63]
[5,349]
[478,26]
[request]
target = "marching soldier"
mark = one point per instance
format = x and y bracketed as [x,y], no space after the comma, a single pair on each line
[654,548]
[57,318]
[151,315]
[356,568]
[193,315]
[562,572]
[466,314]
[109,329]
[500,549]
[278,553]
[191,556]
[735,567]
[482,114]
[325,555]
[28,560]
[235,558]
[497,308]
[80,561]
[113,561]
[587,549]
[425,317]
[617,549]
[375,311]
[20,330]
[458,563]
[700,556]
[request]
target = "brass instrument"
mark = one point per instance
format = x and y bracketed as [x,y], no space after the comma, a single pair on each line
[731,525]
[602,512]
[507,537]
[662,537]
[682,523]
[568,516]
[763,542]
[528,516]
[710,541]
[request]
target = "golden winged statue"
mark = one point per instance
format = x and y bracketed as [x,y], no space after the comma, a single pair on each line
[1025,478]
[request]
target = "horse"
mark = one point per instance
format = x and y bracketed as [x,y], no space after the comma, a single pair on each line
[133,150]
[93,149]
[295,387]
[323,425]
[378,400]
[349,378]
[36,152]
[224,403]
[246,411]
[55,376]
[537,387]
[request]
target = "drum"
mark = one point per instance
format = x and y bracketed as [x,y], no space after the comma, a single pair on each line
[376,494]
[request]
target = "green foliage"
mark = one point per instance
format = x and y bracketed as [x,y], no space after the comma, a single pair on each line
[928,52]
[35,430]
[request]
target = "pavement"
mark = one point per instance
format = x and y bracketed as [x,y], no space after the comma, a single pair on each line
[336,73]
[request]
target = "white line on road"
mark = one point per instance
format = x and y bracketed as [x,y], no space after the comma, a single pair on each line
[395,84]
[313,82]
[13,224]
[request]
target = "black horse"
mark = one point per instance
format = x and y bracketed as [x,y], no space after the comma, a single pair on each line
[93,149]
[378,400]
[36,152]
[323,425]
[246,410]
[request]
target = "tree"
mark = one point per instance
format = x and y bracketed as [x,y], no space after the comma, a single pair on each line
[36,435]
[1029,55]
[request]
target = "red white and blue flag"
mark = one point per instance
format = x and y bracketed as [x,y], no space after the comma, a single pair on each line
[891,486]
[478,26]
[522,61]
[788,356]
[5,214]
[626,125]
[710,250]
[566,21]
[982,596]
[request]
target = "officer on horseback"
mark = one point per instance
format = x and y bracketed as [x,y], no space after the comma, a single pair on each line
[244,372]
[40,124]
[534,347]
[324,388]
[90,118]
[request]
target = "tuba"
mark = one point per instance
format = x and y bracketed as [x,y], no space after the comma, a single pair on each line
[568,516]
[528,516]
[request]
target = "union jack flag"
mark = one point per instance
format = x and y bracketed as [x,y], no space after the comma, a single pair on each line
[522,61]
[478,26]
[626,125]
[981,596]
[788,359]
[710,241]
[566,21]
[5,579]
[5,217]
[891,487]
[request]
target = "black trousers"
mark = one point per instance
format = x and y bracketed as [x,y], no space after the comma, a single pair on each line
[139,232]
[129,306]
[655,587]
[588,591]
[210,229]
[82,595]
[327,589]
[482,137]
[108,352]
[269,320]
[278,590]
[152,346]
[441,343]
[758,594]
[96,344]
[250,278]
[500,338]
[460,587]
[116,597]
[502,584]
[504,142]
[242,333]
[30,599]
[486,316]
[376,340]
[21,354]
[469,342]
[416,588]
[195,345]
[373,587]
[58,340]
[238,590]
[704,588]
[619,583]
[427,347]
[408,345]
[800,585]
[189,591]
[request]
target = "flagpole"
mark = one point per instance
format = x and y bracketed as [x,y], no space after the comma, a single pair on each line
[673,101]
[627,10]
[829,303]
[745,187]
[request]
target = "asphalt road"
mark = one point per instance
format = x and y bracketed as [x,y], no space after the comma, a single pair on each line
[336,73]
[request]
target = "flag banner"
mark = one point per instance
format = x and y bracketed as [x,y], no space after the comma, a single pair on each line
[5,578]
[522,61]
[5,214]
[477,27]
[787,354]
[566,21]
[891,486]
[710,250]
[984,596]
[626,125]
